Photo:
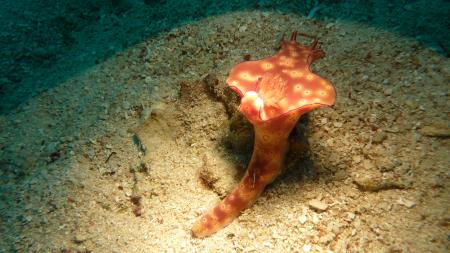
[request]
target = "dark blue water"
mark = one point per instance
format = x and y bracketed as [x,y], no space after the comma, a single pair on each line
[38,39]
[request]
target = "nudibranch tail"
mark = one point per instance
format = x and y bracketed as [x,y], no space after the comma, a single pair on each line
[265,165]
[275,92]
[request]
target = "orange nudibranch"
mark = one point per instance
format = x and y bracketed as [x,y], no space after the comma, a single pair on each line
[275,92]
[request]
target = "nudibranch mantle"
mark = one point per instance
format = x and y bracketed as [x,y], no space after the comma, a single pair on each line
[283,82]
[275,92]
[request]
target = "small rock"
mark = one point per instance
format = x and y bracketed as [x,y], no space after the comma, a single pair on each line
[406,202]
[148,79]
[385,164]
[79,238]
[368,165]
[436,130]
[335,228]
[379,136]
[52,147]
[306,248]
[106,170]
[243,28]
[302,219]
[369,181]
[388,91]
[267,244]
[90,153]
[315,218]
[337,124]
[318,205]
[385,206]
[145,114]
[350,217]
[28,218]
[356,158]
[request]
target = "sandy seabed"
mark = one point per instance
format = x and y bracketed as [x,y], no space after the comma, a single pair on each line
[126,155]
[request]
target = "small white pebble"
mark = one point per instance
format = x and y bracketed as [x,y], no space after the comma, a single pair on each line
[329,25]
[302,219]
[357,158]
[267,244]
[337,124]
[317,205]
[242,28]
[306,248]
[315,218]
[406,202]
[329,142]
[350,216]
[388,91]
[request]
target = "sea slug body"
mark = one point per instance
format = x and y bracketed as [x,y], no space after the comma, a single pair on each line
[275,92]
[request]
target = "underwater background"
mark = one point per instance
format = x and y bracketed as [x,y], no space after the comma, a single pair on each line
[117,128]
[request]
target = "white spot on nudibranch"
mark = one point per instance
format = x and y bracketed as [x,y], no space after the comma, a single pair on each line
[286,61]
[295,73]
[247,76]
[302,102]
[322,93]
[267,66]
[298,87]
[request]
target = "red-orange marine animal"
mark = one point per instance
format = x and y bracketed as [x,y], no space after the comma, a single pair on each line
[275,92]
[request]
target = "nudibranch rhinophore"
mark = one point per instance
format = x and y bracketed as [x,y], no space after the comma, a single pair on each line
[275,92]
